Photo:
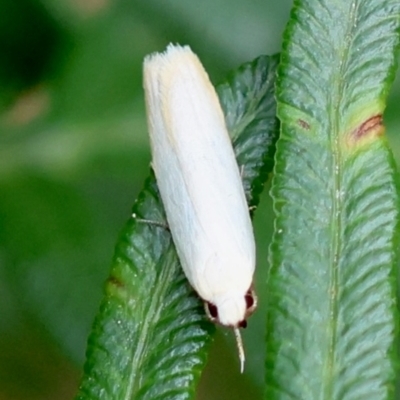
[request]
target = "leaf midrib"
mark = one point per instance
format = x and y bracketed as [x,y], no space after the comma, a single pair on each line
[161,284]
[337,195]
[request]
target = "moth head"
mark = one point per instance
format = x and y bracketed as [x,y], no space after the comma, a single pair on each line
[233,311]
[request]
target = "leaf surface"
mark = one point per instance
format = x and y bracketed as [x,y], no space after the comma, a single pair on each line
[332,316]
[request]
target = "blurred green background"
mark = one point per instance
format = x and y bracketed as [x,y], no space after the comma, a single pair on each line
[74,154]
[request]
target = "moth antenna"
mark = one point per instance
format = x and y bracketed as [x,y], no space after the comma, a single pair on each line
[239,343]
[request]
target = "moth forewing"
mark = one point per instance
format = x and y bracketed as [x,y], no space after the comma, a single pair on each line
[200,183]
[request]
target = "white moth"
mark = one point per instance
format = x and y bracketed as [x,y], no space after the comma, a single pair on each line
[200,185]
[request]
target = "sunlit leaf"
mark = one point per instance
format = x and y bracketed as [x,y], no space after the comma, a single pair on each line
[332,315]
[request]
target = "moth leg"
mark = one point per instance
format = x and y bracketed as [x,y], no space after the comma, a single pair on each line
[151,222]
[241,171]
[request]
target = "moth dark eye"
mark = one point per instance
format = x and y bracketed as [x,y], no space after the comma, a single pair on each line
[249,300]
[213,310]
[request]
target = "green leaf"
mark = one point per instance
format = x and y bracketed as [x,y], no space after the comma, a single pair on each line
[249,107]
[150,338]
[332,315]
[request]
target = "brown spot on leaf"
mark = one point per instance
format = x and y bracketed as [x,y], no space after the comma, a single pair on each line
[112,280]
[303,124]
[372,126]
